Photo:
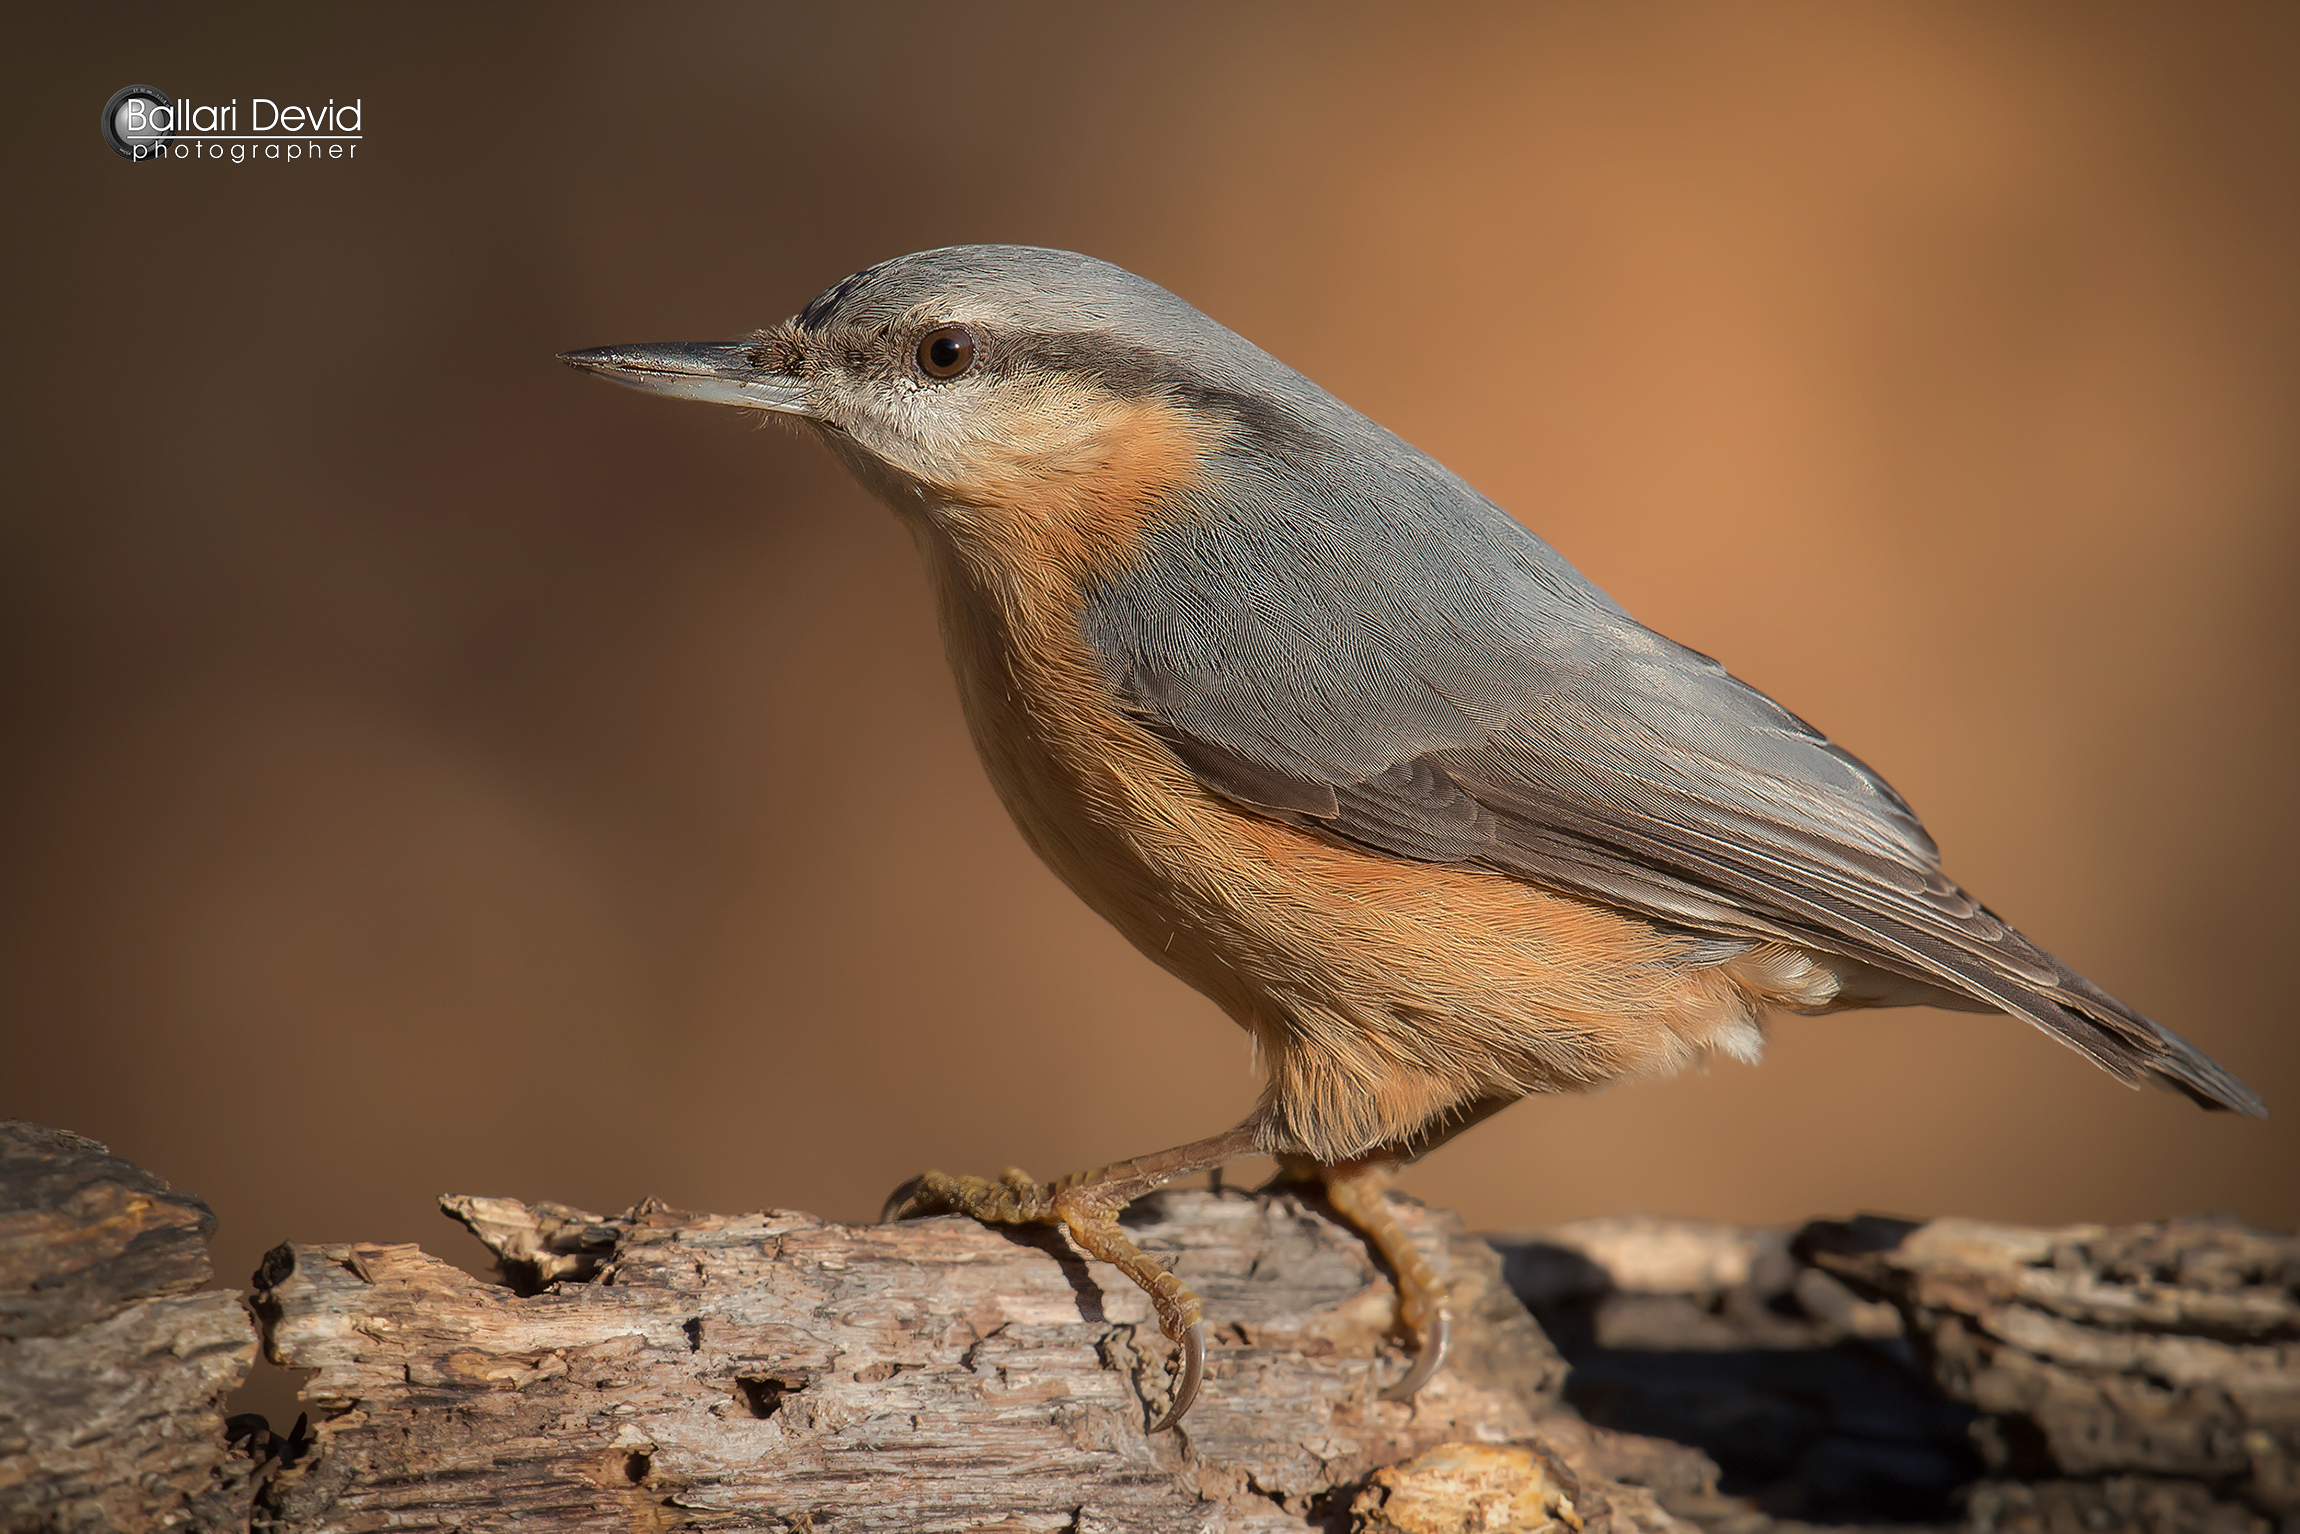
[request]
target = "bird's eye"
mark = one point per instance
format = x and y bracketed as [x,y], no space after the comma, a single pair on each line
[946,352]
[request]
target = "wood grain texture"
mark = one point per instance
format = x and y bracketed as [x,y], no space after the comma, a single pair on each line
[2141,1375]
[113,1367]
[667,1371]
[775,1371]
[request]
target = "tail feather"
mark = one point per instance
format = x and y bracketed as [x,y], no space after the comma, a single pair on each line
[2160,1056]
[2194,1074]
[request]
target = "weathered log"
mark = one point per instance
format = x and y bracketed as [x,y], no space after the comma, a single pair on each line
[113,1368]
[771,1371]
[1717,1336]
[667,1371]
[778,1371]
[2147,1375]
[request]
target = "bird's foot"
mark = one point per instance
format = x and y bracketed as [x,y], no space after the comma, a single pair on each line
[1087,1205]
[1093,1225]
[1357,1190]
[1011,1200]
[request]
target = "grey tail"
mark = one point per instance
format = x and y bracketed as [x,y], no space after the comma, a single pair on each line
[2144,1047]
[2201,1079]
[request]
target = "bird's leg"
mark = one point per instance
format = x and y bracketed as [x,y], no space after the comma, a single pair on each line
[1356,1190]
[1086,1204]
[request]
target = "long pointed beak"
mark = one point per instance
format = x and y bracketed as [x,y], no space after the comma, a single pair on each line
[716,372]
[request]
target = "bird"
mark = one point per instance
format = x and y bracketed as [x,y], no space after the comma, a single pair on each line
[1336,740]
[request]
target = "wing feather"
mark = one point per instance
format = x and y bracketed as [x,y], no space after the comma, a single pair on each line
[1416,674]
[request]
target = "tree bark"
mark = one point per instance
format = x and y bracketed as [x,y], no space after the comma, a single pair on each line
[775,1371]
[2147,1375]
[112,1367]
[669,1371]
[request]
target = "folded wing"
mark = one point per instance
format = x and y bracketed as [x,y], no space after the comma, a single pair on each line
[1468,697]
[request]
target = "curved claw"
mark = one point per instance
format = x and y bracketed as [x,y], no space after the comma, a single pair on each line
[1193,1375]
[1435,1340]
[898,1202]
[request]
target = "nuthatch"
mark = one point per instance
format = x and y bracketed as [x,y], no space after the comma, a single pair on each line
[1327,734]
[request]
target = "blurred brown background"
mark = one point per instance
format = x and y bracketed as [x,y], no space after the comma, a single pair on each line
[427,769]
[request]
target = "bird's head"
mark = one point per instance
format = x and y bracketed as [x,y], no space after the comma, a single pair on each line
[1038,399]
